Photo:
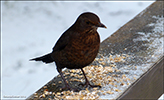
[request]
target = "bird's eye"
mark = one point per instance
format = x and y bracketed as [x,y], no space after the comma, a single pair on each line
[88,22]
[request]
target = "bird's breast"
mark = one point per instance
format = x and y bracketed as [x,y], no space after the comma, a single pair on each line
[83,50]
[79,52]
[86,44]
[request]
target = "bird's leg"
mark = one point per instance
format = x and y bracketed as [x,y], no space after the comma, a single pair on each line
[87,82]
[67,86]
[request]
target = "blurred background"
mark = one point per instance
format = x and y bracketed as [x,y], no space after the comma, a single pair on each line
[31,28]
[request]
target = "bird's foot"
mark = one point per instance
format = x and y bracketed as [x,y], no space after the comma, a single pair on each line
[95,86]
[88,84]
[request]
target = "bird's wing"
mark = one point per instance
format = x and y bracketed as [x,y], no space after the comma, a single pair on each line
[62,41]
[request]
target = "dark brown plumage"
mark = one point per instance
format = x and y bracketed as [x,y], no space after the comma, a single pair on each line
[77,47]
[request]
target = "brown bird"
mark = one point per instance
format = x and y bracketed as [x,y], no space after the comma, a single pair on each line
[77,47]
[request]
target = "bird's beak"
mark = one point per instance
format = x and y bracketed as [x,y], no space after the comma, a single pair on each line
[102,25]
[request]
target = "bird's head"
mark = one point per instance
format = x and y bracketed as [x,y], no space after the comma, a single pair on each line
[89,20]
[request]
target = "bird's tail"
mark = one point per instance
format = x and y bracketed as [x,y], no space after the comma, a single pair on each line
[46,58]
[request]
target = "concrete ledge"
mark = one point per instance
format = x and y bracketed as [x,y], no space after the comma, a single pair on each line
[149,85]
[129,63]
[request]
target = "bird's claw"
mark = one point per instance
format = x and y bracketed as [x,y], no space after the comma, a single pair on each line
[88,84]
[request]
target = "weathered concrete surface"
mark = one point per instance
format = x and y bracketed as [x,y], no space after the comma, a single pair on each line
[123,59]
[149,85]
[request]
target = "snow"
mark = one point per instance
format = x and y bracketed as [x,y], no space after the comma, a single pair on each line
[30,29]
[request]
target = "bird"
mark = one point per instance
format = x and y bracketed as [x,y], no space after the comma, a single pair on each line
[77,47]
